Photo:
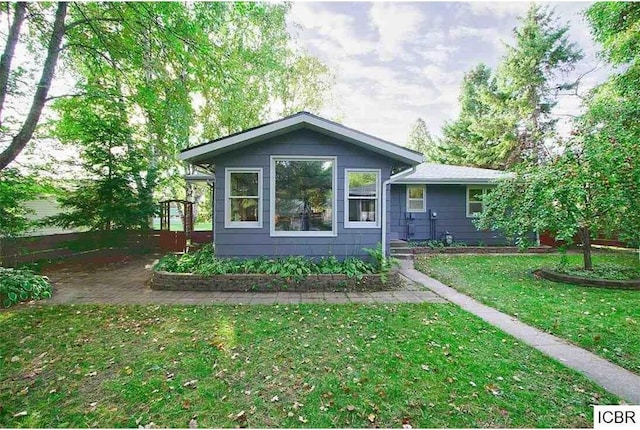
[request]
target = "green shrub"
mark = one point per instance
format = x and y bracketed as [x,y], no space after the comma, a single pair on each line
[17,285]
[203,262]
[602,271]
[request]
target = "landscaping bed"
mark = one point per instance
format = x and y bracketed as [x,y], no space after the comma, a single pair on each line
[288,366]
[556,276]
[272,283]
[202,271]
[481,250]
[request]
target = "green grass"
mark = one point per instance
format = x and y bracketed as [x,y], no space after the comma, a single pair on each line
[604,321]
[429,365]
[176,225]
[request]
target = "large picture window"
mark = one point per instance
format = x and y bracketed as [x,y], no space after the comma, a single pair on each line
[303,196]
[362,198]
[243,198]
[474,200]
[416,198]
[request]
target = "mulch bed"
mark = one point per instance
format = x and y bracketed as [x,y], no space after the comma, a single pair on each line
[631,284]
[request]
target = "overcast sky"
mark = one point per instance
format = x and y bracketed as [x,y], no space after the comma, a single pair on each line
[395,62]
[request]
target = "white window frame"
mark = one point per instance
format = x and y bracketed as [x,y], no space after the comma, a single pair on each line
[272,196]
[484,189]
[424,198]
[228,223]
[361,224]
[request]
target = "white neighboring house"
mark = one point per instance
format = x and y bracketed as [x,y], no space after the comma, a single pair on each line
[46,206]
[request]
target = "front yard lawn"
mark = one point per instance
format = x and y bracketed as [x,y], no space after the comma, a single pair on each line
[604,321]
[427,365]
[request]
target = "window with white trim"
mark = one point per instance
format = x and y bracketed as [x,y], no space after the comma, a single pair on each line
[303,191]
[243,198]
[474,200]
[416,198]
[362,198]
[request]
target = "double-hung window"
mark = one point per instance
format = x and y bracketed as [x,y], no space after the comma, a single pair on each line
[416,198]
[362,198]
[474,200]
[243,198]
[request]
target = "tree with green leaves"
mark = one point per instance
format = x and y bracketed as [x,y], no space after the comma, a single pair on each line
[465,141]
[109,198]
[571,195]
[421,140]
[507,118]
[15,190]
[531,74]
[610,123]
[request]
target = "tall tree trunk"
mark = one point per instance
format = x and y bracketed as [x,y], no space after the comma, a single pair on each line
[21,139]
[9,50]
[586,247]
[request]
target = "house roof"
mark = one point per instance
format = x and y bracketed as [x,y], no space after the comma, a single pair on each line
[205,151]
[433,173]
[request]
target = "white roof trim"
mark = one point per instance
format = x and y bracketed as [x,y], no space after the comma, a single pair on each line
[294,122]
[465,181]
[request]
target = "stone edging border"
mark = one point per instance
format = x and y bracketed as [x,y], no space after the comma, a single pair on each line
[242,282]
[483,250]
[632,284]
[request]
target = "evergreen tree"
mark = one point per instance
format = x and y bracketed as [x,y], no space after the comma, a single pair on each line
[421,140]
[506,118]
[531,73]
[464,140]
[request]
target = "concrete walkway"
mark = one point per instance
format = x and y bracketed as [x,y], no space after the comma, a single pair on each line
[611,377]
[127,282]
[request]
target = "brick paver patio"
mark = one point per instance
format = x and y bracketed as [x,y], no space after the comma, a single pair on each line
[127,282]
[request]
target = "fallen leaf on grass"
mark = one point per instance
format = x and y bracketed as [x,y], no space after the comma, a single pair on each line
[351,408]
[274,399]
[371,417]
[425,367]
[302,419]
[20,414]
[493,389]
[193,424]
[192,383]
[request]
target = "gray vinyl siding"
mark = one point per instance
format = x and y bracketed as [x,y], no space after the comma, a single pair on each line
[253,242]
[449,201]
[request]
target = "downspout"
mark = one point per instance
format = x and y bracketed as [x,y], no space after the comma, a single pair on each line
[385,184]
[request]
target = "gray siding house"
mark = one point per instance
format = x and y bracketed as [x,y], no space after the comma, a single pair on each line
[437,199]
[304,185]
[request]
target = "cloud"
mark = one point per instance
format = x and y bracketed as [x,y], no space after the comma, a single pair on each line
[396,24]
[335,29]
[498,9]
[490,35]
[438,54]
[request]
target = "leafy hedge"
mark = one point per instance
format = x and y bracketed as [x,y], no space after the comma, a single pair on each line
[17,285]
[203,262]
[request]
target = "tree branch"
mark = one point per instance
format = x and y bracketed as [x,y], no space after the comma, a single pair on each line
[88,21]
[9,50]
[21,139]
[48,99]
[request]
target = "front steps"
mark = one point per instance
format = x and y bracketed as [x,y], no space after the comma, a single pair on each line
[400,249]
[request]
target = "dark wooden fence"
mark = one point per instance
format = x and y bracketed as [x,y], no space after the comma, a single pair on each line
[547,239]
[29,249]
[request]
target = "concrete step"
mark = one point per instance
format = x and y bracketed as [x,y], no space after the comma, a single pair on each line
[398,244]
[402,250]
[402,256]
